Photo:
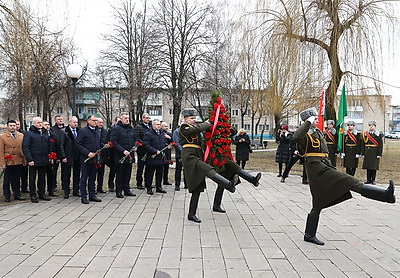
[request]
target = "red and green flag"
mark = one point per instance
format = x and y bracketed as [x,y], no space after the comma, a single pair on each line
[321,111]
[340,122]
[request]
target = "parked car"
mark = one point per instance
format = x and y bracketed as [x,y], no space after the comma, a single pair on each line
[393,135]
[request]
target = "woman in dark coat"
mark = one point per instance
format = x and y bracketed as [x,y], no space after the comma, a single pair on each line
[242,142]
[283,152]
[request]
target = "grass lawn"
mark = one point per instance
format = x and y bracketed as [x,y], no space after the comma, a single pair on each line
[389,167]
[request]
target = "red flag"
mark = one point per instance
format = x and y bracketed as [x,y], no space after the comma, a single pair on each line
[321,111]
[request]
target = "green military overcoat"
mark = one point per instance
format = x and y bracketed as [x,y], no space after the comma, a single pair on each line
[328,186]
[370,150]
[194,168]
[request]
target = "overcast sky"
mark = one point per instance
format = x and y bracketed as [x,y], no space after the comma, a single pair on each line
[85,20]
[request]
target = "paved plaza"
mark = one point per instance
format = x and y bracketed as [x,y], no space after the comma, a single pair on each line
[261,235]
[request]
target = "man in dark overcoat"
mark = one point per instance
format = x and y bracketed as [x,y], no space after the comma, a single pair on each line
[59,137]
[123,139]
[36,147]
[194,168]
[371,149]
[331,138]
[352,148]
[328,186]
[71,164]
[140,130]
[88,142]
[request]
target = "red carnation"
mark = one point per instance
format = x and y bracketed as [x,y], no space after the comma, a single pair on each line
[110,144]
[212,155]
[138,143]
[215,162]
[171,162]
[51,141]
[9,157]
[220,163]
[174,144]
[217,141]
[208,135]
[212,119]
[216,132]
[52,155]
[219,100]
[220,150]
[216,106]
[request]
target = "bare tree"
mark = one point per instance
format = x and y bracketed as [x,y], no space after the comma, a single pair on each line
[131,54]
[346,33]
[182,33]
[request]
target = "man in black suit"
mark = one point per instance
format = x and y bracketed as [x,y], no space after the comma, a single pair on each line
[154,141]
[58,132]
[71,162]
[140,130]
[168,136]
[88,142]
[123,139]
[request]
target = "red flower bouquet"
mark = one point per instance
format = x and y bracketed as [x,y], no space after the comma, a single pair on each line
[218,146]
[98,152]
[137,144]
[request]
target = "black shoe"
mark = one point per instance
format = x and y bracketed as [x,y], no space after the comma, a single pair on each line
[7,199]
[140,187]
[305,182]
[282,179]
[219,209]
[119,195]
[279,175]
[100,190]
[44,197]
[160,190]
[129,193]
[167,183]
[84,201]
[95,199]
[177,187]
[52,195]
[313,239]
[34,199]
[368,182]
[76,194]
[19,198]
[150,191]
[194,218]
[66,195]
[111,189]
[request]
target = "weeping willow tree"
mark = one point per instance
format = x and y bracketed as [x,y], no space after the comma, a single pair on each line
[346,36]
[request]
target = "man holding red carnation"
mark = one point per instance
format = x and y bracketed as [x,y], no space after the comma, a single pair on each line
[11,160]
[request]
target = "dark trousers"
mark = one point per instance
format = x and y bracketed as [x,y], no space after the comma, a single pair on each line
[149,173]
[124,172]
[41,173]
[24,178]
[100,177]
[66,176]
[219,192]
[165,173]
[243,162]
[113,172]
[371,175]
[50,172]
[88,178]
[351,171]
[54,181]
[140,168]
[194,202]
[12,175]
[292,162]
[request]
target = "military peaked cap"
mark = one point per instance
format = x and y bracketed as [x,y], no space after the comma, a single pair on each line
[372,123]
[188,112]
[332,122]
[304,115]
[351,123]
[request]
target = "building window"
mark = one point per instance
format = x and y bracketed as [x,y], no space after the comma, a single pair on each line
[170,111]
[91,110]
[30,110]
[235,112]
[247,127]
[355,115]
[154,110]
[59,110]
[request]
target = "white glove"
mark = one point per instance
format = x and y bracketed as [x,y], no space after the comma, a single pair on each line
[357,156]
[311,119]
[342,155]
[378,156]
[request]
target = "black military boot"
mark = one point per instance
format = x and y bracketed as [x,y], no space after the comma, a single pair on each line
[194,201]
[250,178]
[225,183]
[311,230]
[379,194]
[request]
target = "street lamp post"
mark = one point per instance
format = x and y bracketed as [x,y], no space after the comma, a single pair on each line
[74,71]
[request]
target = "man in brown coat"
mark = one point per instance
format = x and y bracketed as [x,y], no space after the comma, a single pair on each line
[11,160]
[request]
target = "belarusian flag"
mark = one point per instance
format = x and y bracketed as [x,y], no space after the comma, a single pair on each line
[321,111]
[340,122]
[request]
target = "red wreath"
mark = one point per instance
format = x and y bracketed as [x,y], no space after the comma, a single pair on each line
[218,146]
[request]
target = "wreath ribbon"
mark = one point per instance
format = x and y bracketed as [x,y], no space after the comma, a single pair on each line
[209,143]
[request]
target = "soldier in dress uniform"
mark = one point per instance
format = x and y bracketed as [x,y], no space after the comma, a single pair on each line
[331,138]
[371,149]
[328,186]
[352,148]
[194,168]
